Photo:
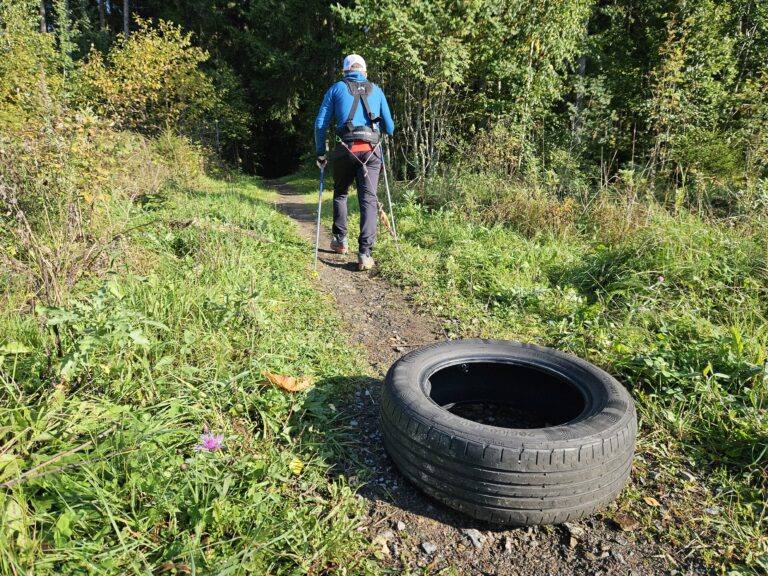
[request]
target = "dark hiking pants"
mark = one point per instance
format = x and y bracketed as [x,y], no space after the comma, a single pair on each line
[347,168]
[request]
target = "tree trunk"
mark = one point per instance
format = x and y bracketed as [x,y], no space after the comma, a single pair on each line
[127,17]
[43,23]
[102,15]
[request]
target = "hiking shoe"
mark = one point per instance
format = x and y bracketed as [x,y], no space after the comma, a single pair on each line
[364,262]
[339,244]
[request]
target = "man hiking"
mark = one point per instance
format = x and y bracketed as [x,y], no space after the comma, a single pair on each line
[361,112]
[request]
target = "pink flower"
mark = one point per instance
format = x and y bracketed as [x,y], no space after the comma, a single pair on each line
[210,442]
[661,279]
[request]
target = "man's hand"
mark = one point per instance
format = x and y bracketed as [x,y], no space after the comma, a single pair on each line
[321,161]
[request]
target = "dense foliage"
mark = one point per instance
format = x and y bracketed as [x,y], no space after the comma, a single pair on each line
[283,55]
[668,93]
[577,93]
[152,81]
[454,69]
[68,178]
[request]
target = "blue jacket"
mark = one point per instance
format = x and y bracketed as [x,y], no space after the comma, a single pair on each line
[337,103]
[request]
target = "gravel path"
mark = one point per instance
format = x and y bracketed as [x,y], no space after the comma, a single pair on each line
[409,531]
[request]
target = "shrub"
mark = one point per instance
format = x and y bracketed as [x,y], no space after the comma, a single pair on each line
[68,181]
[30,81]
[66,195]
[150,81]
[183,159]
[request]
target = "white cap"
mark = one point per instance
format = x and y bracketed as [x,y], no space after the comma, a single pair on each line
[353,59]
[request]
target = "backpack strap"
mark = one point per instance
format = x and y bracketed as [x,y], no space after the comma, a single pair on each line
[359,91]
[367,108]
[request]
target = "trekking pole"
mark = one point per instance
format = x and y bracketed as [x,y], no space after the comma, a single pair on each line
[319,212]
[389,199]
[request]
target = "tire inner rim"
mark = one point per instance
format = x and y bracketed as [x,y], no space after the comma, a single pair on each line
[506,395]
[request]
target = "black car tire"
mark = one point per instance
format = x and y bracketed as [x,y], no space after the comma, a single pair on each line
[574,465]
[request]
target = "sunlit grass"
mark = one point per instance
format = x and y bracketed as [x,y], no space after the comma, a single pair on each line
[103,473]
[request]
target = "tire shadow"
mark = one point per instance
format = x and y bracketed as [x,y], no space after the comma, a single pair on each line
[365,464]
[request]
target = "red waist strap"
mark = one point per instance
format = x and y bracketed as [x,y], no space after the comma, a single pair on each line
[360,146]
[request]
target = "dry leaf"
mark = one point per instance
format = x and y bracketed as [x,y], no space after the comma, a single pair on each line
[385,549]
[178,567]
[651,501]
[288,383]
[625,522]
[385,220]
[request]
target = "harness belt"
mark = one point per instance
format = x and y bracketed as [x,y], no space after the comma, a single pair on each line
[352,152]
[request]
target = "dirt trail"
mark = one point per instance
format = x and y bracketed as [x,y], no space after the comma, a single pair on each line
[406,525]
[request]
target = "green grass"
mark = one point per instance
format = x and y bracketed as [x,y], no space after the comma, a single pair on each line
[97,446]
[675,306]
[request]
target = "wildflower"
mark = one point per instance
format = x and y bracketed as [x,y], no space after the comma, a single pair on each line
[209,442]
[661,279]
